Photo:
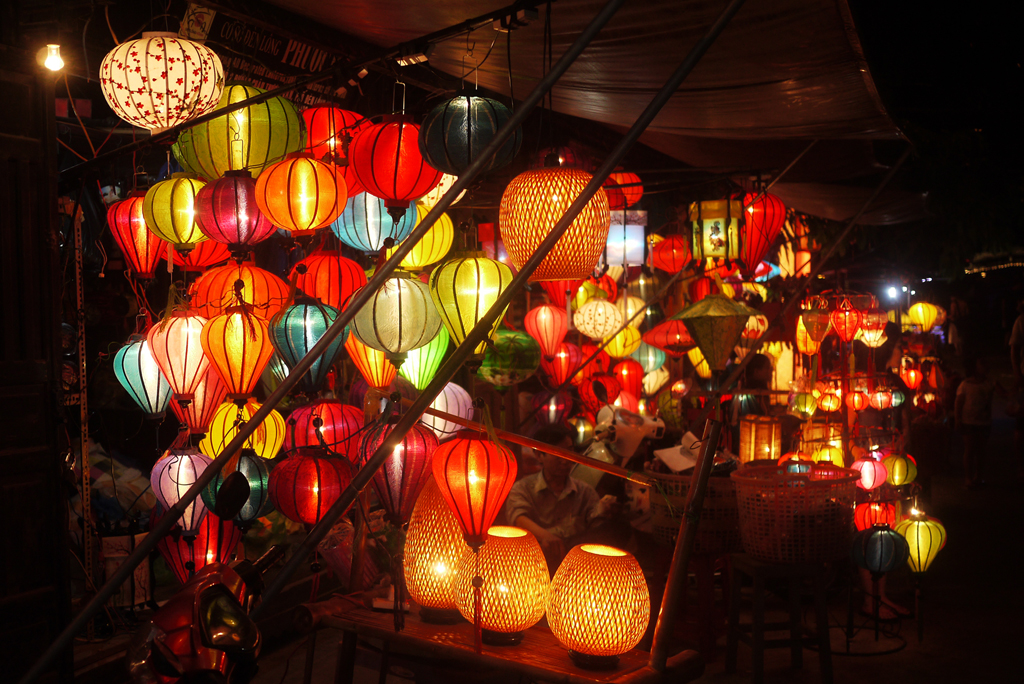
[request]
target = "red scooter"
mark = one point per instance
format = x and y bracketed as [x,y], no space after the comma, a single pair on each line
[204,635]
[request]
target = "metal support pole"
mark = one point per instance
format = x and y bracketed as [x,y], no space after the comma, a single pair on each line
[684,546]
[482,329]
[170,519]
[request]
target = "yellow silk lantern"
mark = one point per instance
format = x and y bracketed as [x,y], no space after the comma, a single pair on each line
[433,246]
[925,536]
[923,315]
[170,211]
[229,418]
[628,306]
[464,289]
[624,343]
[700,364]
[828,454]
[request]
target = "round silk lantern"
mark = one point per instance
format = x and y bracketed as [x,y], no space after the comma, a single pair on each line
[257,478]
[597,319]
[300,194]
[923,315]
[433,547]
[307,483]
[328,424]
[901,468]
[700,364]
[599,390]
[137,371]
[229,418]
[297,329]
[388,163]
[925,538]
[474,475]
[400,480]
[422,363]
[873,513]
[202,256]
[765,215]
[433,246]
[140,246]
[209,394]
[828,454]
[552,408]
[328,277]
[857,401]
[624,342]
[329,132]
[464,290]
[372,364]
[873,473]
[160,80]
[534,202]
[563,364]
[655,380]
[650,357]
[671,254]
[911,377]
[229,285]
[829,401]
[177,346]
[247,139]
[548,324]
[560,291]
[455,132]
[880,399]
[879,549]
[599,605]
[633,310]
[237,343]
[630,375]
[399,317]
[672,337]
[627,400]
[227,212]
[172,476]
[630,185]
[170,211]
[514,592]
[451,399]
[514,357]
[365,224]
[215,541]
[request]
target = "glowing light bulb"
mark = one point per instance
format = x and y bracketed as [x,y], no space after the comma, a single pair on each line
[53,61]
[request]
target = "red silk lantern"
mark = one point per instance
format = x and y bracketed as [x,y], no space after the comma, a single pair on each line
[616,197]
[765,216]
[215,542]
[672,337]
[817,323]
[601,363]
[671,254]
[560,291]
[628,401]
[880,399]
[307,483]
[204,255]
[872,513]
[261,291]
[829,401]
[141,247]
[300,194]
[846,320]
[563,363]
[552,408]
[872,473]
[873,321]
[405,472]
[197,414]
[474,475]
[912,377]
[178,349]
[389,165]
[548,324]
[702,287]
[226,211]
[629,185]
[630,375]
[329,277]
[328,424]
[237,342]
[606,284]
[372,363]
[592,389]
[329,133]
[857,401]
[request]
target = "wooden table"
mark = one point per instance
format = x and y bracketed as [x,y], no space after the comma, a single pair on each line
[539,655]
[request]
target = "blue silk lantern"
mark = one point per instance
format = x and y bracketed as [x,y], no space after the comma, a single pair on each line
[256,480]
[879,549]
[137,371]
[297,329]
[454,133]
[365,223]
[651,358]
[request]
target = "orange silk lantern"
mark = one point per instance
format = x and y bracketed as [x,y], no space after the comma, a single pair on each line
[672,337]
[237,342]
[561,291]
[548,324]
[846,320]
[329,132]
[141,247]
[601,363]
[372,363]
[301,195]
[857,401]
[912,377]
[177,347]
[262,292]
[629,184]
[204,255]
[880,399]
[329,277]
[873,513]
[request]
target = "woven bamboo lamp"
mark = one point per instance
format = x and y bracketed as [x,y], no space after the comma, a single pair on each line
[229,418]
[760,438]
[433,547]
[599,605]
[515,584]
[464,289]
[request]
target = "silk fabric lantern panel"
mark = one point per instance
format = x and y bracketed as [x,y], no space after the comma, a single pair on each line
[238,344]
[389,164]
[548,325]
[229,418]
[328,277]
[227,212]
[170,211]
[372,363]
[326,423]
[455,132]
[197,413]
[464,290]
[202,256]
[307,483]
[300,194]
[176,344]
[452,399]
[232,284]
[141,247]
[172,476]
[765,215]
[215,541]
[422,363]
[434,244]
[137,371]
[404,473]
[257,477]
[399,317]
[329,132]
[365,224]
[297,329]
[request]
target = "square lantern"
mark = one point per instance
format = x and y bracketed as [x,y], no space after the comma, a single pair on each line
[817,434]
[760,438]
[716,229]
[626,238]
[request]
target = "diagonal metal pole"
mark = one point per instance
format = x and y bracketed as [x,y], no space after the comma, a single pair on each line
[359,299]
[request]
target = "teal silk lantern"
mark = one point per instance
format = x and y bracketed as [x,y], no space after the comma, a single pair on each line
[365,223]
[879,549]
[421,364]
[651,358]
[139,374]
[514,357]
[297,329]
[454,133]
[256,477]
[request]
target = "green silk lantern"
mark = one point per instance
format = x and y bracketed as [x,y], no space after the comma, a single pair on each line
[297,329]
[464,289]
[256,475]
[514,357]
[650,357]
[716,323]
[421,364]
[170,211]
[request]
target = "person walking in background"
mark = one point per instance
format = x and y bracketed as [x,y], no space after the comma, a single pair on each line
[973,414]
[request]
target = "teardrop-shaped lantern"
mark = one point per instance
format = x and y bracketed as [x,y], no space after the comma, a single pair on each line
[221,287]
[300,194]
[464,290]
[671,254]
[170,211]
[176,344]
[597,319]
[633,309]
[630,375]
[328,277]
[879,549]
[563,364]
[373,365]
[561,291]
[237,342]
[209,394]
[846,320]
[599,390]
[307,483]
[388,162]
[530,207]
[297,329]
[365,224]
[514,357]
[138,372]
[765,214]
[172,476]
[422,363]
[399,481]
[399,317]
[925,538]
[328,424]
[455,133]
[548,324]
[434,244]
[229,418]
[257,480]
[650,357]
[923,315]
[552,408]
[474,475]
[454,400]
[140,246]
[227,212]
[804,343]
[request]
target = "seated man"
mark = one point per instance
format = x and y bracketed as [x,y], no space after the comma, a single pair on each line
[552,505]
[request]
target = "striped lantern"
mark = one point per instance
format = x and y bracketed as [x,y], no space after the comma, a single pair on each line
[328,424]
[434,244]
[300,194]
[227,212]
[398,318]
[389,165]
[454,400]
[328,277]
[404,473]
[237,342]
[455,132]
[201,257]
[177,346]
[307,483]
[140,246]
[172,476]
[548,324]
[372,364]
[765,215]
[422,363]
[464,289]
[137,371]
[170,211]
[229,418]
[297,329]
[365,224]
[598,319]
[197,414]
[232,284]
[329,132]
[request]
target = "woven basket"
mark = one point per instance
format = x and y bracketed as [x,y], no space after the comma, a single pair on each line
[789,518]
[718,531]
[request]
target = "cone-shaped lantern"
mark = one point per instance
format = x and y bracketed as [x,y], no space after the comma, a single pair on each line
[716,323]
[372,363]
[297,329]
[464,289]
[137,371]
[237,342]
[765,214]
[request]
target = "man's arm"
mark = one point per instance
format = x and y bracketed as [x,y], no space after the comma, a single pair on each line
[519,508]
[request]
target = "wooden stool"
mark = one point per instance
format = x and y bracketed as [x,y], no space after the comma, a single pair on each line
[753,634]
